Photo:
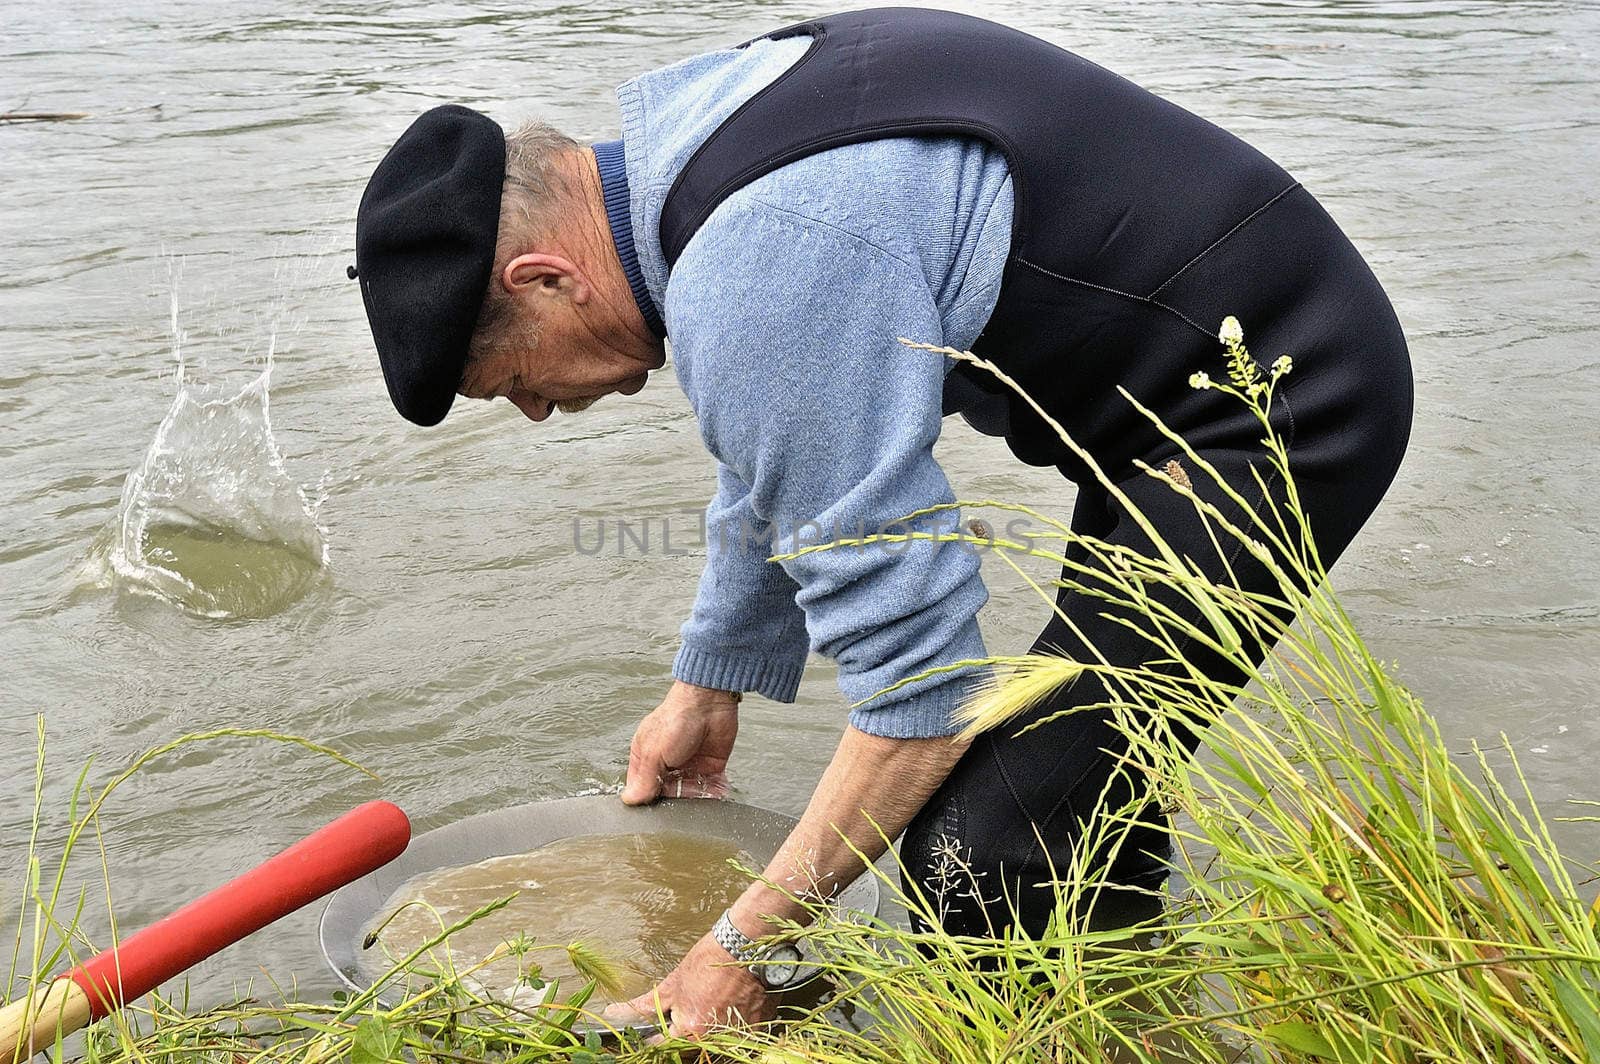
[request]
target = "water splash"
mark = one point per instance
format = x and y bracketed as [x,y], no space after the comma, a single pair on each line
[210,520]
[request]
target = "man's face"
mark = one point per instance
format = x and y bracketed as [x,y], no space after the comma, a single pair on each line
[550,365]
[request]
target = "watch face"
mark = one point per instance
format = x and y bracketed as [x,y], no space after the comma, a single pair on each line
[779,967]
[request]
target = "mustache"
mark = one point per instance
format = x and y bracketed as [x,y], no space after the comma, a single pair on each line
[574,406]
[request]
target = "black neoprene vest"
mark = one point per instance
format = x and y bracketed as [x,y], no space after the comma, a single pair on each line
[1116,192]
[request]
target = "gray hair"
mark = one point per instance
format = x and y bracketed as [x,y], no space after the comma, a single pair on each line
[537,191]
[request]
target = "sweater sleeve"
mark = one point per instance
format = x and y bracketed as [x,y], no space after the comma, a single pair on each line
[745,633]
[785,340]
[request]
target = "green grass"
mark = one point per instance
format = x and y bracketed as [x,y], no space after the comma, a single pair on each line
[1345,889]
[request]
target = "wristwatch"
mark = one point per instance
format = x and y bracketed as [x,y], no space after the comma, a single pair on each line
[774,966]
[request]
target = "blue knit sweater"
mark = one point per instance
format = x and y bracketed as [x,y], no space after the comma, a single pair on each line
[783,313]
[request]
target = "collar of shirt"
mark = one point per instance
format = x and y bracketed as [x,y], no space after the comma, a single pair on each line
[609,157]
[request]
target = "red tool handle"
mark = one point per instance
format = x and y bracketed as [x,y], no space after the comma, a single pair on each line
[364,839]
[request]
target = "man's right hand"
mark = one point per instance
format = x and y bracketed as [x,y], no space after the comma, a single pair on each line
[680,750]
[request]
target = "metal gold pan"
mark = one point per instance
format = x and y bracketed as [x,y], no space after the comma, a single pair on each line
[521,828]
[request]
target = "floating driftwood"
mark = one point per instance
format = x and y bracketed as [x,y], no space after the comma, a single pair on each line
[41,116]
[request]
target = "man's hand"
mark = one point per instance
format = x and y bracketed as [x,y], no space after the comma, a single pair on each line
[707,989]
[681,749]
[869,793]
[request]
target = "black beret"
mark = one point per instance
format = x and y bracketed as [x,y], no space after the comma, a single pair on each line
[425,236]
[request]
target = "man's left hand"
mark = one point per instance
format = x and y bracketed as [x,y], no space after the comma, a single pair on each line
[708,989]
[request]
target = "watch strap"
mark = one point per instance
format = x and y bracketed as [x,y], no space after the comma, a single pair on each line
[740,946]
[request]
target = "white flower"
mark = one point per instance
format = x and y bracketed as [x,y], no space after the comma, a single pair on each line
[1232,332]
[1282,366]
[1200,381]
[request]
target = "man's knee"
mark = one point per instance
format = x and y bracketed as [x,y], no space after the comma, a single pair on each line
[980,876]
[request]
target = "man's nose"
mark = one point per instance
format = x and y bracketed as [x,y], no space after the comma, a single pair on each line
[532,407]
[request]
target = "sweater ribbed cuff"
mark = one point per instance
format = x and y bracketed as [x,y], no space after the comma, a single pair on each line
[777,680]
[928,714]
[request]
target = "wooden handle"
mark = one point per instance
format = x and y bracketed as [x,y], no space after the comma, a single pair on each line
[32,1024]
[363,840]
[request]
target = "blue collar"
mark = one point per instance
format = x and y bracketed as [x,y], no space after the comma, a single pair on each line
[608,156]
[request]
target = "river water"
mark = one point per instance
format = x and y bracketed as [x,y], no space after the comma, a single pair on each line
[455,642]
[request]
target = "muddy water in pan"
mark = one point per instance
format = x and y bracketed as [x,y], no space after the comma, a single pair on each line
[639,901]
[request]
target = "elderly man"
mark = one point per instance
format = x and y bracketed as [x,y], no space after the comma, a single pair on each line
[784,211]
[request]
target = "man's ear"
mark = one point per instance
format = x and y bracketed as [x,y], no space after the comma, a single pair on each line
[539,274]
